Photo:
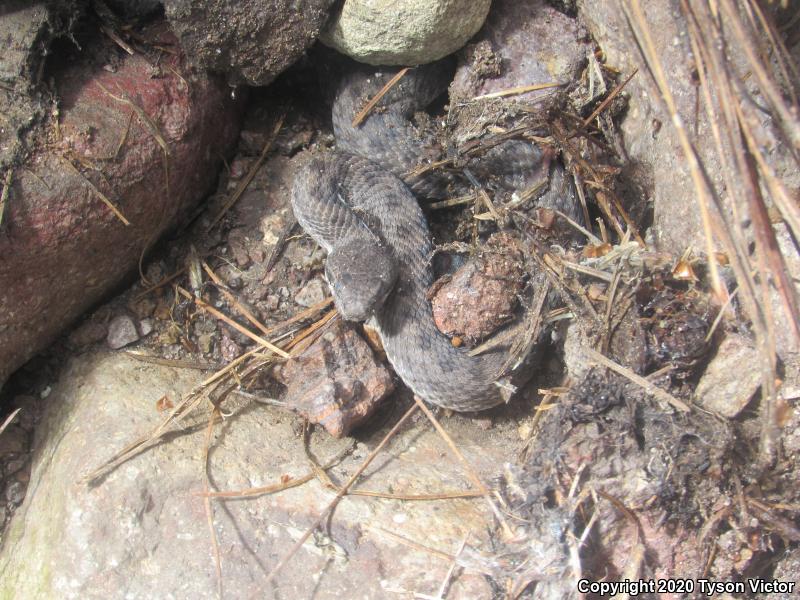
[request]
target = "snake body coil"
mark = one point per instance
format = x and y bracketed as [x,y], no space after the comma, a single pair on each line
[378,243]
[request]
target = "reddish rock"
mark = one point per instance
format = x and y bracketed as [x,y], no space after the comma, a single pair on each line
[521,43]
[336,382]
[482,294]
[61,247]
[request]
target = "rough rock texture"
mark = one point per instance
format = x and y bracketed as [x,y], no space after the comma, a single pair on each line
[61,247]
[659,167]
[26,28]
[403,32]
[143,532]
[336,382]
[788,569]
[731,378]
[521,43]
[482,294]
[250,41]
[121,332]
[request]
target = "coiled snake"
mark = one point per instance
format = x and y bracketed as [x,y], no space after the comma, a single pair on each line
[354,204]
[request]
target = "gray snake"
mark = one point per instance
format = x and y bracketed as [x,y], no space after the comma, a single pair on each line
[353,202]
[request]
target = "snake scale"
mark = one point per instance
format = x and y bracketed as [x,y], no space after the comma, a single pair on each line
[353,202]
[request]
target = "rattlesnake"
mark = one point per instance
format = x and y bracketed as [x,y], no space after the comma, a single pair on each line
[354,204]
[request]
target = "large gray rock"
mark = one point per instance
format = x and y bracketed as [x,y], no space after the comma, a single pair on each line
[250,41]
[142,533]
[403,32]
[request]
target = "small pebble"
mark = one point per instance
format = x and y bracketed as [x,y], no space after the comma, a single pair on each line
[312,293]
[205,341]
[15,492]
[121,332]
[146,327]
[14,466]
[272,302]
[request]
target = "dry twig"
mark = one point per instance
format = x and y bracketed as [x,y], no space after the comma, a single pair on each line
[364,112]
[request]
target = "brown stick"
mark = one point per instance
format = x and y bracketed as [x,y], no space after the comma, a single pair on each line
[359,118]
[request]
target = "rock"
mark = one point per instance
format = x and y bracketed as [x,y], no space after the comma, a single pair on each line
[787,568]
[718,389]
[146,327]
[87,333]
[482,294]
[238,243]
[403,32]
[27,29]
[250,41]
[13,440]
[657,168]
[336,382]
[15,492]
[205,342]
[228,348]
[521,43]
[121,332]
[15,465]
[577,361]
[121,537]
[61,248]
[313,292]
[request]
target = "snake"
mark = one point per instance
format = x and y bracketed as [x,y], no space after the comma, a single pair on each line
[359,202]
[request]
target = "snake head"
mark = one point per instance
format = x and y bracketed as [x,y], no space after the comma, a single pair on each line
[361,273]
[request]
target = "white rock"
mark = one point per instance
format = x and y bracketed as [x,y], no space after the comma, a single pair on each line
[731,378]
[121,332]
[404,32]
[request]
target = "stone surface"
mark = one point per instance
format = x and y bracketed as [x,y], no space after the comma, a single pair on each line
[27,29]
[121,332]
[482,294]
[142,532]
[657,166]
[87,333]
[521,43]
[336,382]
[61,247]
[731,378]
[787,569]
[312,293]
[250,41]
[403,32]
